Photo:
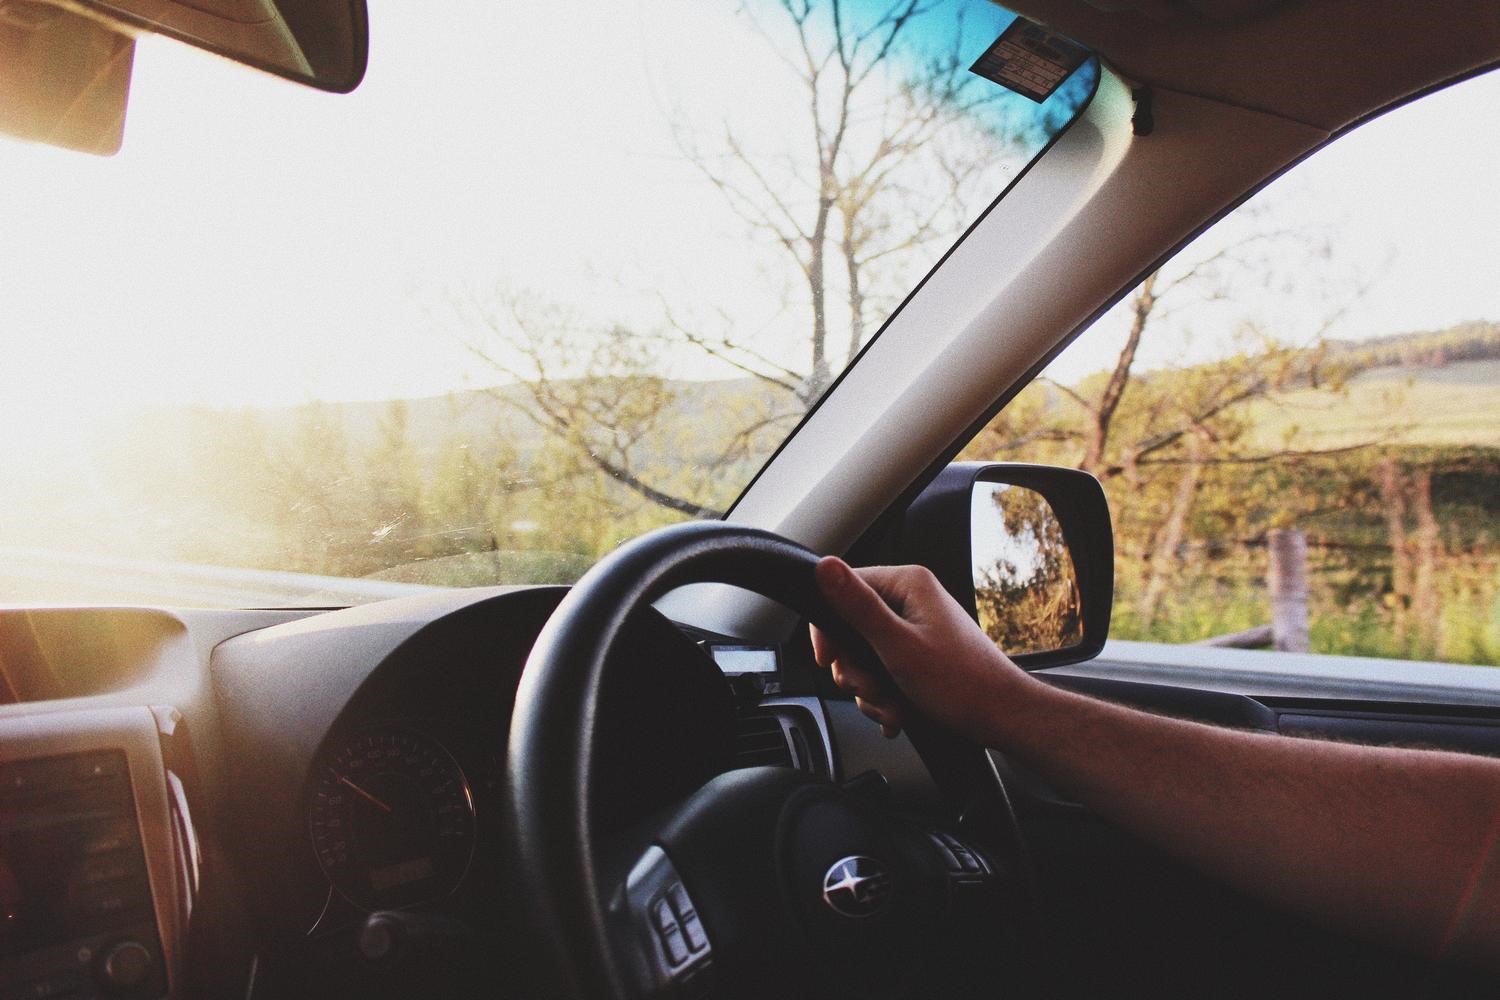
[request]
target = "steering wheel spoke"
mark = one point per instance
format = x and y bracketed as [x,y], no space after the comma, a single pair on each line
[763,882]
[657,931]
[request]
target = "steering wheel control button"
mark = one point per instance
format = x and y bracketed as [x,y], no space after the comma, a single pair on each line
[692,933]
[673,945]
[687,916]
[681,905]
[677,926]
[663,917]
[960,858]
[857,886]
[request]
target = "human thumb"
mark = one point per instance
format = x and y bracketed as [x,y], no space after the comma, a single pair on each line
[856,601]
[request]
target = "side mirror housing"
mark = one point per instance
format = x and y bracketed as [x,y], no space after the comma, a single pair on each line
[1026,550]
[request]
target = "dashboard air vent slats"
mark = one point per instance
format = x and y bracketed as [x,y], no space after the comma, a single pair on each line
[760,740]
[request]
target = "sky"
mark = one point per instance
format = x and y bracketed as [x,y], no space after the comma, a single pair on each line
[258,243]
[1409,205]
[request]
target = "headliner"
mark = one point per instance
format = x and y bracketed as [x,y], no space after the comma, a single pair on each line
[1324,63]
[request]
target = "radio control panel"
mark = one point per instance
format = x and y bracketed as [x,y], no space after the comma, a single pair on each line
[77,918]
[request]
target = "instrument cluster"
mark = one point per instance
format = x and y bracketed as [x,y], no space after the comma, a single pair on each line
[391,817]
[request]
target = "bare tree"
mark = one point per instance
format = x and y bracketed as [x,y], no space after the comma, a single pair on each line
[1161,432]
[598,390]
[1167,541]
[1199,398]
[885,162]
[600,394]
[1414,555]
[891,142]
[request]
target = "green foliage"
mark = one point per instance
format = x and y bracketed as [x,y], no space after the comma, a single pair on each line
[1304,449]
[1219,586]
[1025,591]
[1428,348]
[1229,595]
[443,491]
[463,490]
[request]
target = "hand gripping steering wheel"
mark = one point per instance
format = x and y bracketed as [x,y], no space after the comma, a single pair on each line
[765,882]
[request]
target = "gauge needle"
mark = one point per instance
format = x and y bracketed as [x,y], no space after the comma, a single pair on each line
[361,792]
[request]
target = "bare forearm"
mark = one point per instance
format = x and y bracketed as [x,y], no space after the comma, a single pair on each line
[1394,843]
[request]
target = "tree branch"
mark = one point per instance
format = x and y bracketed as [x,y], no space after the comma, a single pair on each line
[1269,456]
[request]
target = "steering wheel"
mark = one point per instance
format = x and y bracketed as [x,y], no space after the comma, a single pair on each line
[765,881]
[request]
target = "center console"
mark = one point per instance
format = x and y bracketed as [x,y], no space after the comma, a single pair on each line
[93,891]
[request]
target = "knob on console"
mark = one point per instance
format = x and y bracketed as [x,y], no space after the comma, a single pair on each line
[124,966]
[398,936]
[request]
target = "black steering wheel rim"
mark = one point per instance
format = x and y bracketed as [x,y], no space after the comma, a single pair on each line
[549,759]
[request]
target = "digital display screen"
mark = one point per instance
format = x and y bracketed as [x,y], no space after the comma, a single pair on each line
[71,863]
[745,659]
[401,873]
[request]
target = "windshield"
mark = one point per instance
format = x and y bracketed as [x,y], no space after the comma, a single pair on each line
[553,275]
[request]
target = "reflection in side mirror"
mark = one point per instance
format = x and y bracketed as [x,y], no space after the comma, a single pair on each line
[1026,550]
[1025,587]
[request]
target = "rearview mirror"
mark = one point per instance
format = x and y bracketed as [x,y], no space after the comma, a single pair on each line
[320,43]
[1027,550]
[65,66]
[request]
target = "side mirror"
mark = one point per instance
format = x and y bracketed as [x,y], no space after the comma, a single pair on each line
[1027,550]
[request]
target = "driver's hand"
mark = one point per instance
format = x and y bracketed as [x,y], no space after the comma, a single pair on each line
[934,652]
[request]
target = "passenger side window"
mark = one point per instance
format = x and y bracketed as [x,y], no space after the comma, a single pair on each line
[1297,420]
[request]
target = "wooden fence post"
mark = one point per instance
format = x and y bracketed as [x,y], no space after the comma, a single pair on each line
[1286,578]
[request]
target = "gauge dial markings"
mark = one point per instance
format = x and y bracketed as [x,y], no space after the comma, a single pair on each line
[391,817]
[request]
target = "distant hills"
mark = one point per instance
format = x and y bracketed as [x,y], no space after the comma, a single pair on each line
[1422,386]
[439,423]
[1473,341]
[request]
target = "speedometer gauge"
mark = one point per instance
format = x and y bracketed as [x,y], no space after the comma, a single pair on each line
[391,817]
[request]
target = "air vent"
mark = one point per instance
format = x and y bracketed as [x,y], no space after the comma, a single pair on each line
[761,740]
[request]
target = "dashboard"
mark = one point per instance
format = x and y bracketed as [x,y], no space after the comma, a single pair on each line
[285,800]
[174,819]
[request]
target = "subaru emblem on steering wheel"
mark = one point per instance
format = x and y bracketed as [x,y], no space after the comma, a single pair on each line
[857,886]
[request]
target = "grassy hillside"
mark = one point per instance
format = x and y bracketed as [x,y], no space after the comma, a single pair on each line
[1457,403]
[1399,511]
[434,423]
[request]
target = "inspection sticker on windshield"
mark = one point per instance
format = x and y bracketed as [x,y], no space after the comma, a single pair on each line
[1030,60]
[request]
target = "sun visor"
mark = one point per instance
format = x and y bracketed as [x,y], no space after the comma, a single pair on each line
[64,78]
